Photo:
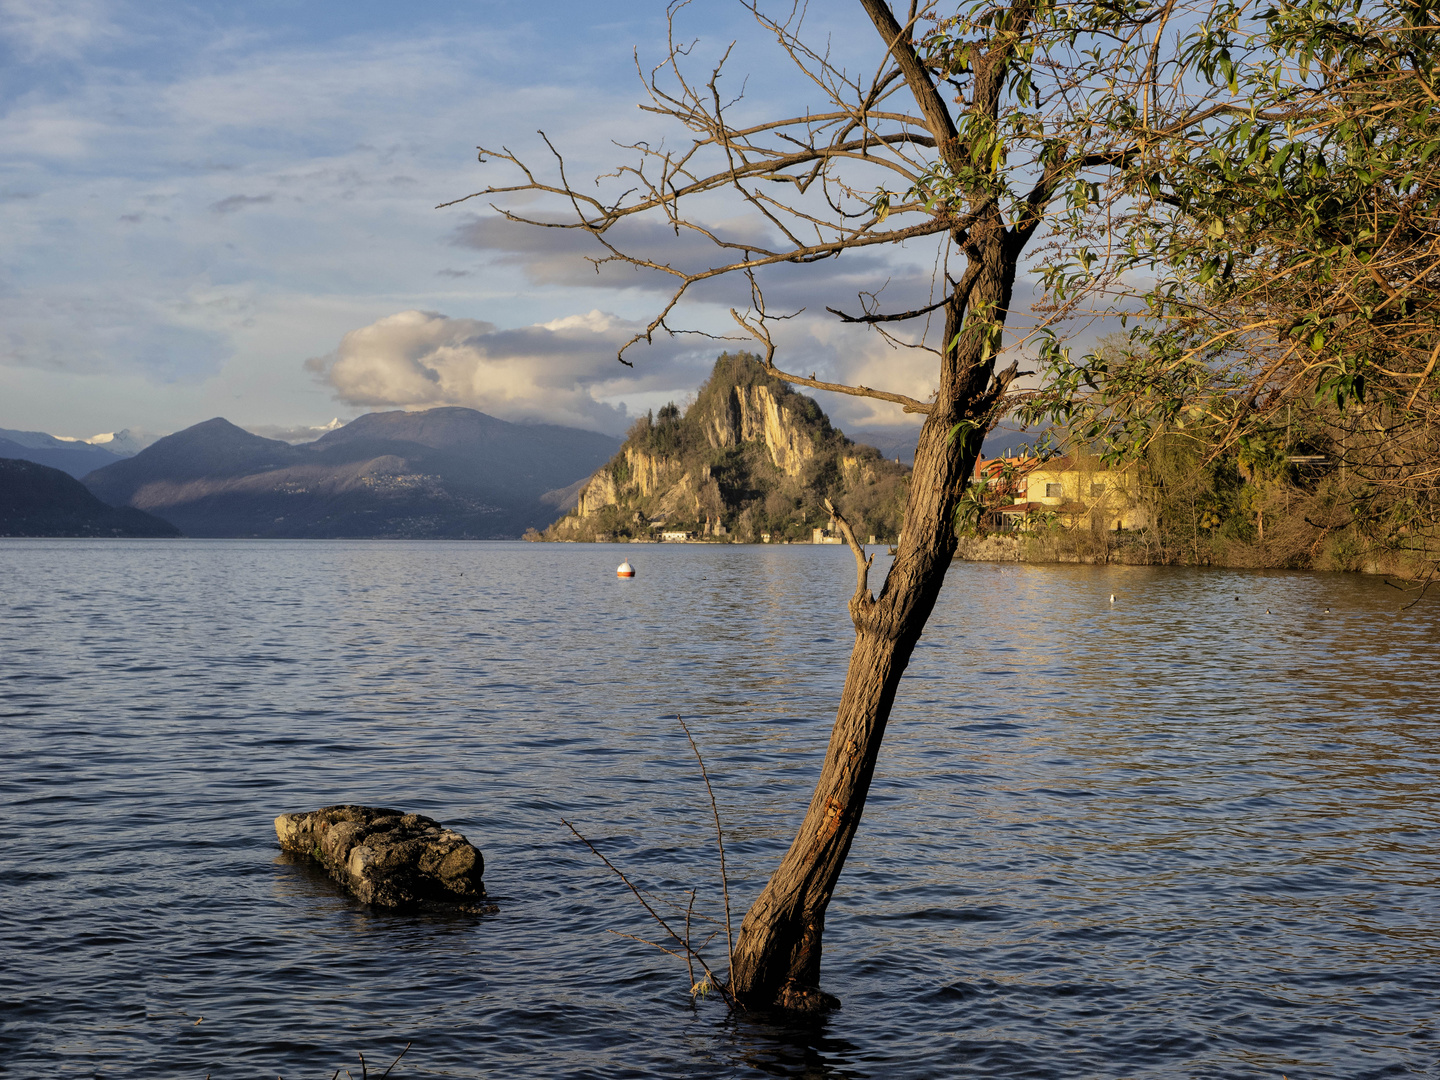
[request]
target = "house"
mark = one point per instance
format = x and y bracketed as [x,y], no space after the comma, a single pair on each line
[1080,491]
[1004,477]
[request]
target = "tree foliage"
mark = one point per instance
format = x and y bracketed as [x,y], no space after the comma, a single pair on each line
[1295,248]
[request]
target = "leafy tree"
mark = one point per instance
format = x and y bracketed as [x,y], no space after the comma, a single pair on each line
[981,130]
[1295,239]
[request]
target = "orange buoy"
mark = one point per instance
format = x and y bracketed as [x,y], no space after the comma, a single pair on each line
[625,569]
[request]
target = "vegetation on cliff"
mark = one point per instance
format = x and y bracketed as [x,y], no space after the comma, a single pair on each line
[1281,501]
[749,458]
[1253,508]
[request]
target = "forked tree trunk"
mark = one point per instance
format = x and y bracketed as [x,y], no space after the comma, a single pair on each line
[777,956]
[776,960]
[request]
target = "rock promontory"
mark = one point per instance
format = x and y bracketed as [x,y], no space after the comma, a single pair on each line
[387,857]
[750,460]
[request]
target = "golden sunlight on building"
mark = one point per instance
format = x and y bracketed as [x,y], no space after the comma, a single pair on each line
[1080,491]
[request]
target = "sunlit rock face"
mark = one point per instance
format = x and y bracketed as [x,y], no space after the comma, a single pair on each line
[749,460]
[387,857]
[752,414]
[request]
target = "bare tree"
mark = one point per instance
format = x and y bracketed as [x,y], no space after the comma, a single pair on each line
[975,129]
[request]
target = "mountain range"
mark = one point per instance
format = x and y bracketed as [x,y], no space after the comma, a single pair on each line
[74,456]
[438,473]
[458,473]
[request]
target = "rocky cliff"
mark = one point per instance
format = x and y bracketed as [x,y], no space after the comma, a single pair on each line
[750,458]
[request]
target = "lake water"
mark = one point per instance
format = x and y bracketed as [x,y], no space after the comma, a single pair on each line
[1172,837]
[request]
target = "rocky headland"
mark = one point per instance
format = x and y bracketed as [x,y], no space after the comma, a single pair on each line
[749,461]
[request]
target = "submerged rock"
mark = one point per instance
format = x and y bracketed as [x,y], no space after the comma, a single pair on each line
[387,857]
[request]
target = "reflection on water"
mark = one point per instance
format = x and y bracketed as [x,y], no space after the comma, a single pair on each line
[1176,836]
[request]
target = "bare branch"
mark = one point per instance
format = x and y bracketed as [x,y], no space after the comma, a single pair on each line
[720,843]
[889,318]
[685,943]
[862,598]
[937,116]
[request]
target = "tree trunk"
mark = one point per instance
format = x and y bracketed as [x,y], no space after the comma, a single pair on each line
[777,955]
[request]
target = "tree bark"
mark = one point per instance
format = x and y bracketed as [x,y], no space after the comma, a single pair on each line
[776,960]
[777,956]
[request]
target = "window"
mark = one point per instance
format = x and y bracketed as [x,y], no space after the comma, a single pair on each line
[1097,489]
[1052,491]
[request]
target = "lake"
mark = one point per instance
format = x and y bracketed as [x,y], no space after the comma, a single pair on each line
[1174,836]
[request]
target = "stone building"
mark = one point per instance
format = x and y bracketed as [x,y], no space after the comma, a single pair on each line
[1080,491]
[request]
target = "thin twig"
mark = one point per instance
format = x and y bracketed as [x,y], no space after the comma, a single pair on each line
[862,596]
[1424,588]
[653,945]
[689,964]
[397,1060]
[724,990]
[720,842]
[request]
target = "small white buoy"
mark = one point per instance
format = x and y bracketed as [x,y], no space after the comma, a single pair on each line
[625,569]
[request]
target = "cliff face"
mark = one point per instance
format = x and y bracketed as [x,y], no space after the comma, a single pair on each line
[749,458]
[753,414]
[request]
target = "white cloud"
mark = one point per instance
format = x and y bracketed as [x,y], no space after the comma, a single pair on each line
[92,333]
[213,195]
[60,28]
[556,372]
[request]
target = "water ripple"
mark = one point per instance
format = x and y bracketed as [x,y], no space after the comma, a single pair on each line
[1173,837]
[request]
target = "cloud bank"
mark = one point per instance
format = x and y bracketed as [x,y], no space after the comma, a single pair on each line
[565,372]
[561,372]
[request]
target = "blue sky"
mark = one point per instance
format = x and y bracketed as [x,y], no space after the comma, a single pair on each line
[229,209]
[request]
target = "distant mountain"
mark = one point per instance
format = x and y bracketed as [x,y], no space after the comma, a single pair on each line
[897,443]
[1007,439]
[447,472]
[36,500]
[76,458]
[216,449]
[125,442]
[750,458]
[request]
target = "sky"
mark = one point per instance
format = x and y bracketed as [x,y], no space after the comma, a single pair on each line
[230,210]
